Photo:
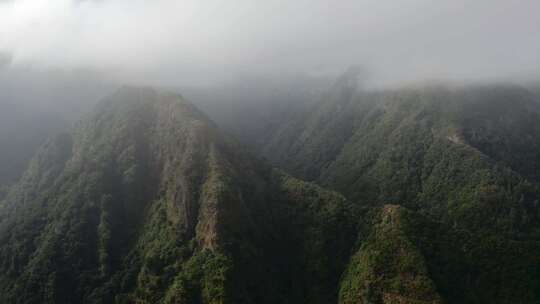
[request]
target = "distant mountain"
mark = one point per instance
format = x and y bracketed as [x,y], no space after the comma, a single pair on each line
[387,146]
[145,201]
[466,158]
[22,130]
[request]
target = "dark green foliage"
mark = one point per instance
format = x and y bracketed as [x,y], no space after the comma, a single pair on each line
[320,236]
[203,279]
[408,258]
[389,267]
[402,146]
[146,202]
[466,158]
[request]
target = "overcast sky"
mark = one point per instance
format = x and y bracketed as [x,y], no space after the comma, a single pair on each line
[180,42]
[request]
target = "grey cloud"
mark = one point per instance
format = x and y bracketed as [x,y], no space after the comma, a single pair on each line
[182,42]
[5,59]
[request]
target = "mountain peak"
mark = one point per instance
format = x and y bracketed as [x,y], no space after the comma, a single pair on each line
[149,188]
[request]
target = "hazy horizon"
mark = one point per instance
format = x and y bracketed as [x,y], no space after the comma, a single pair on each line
[175,43]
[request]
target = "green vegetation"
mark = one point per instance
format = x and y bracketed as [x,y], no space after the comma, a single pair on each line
[389,267]
[464,157]
[436,200]
[146,202]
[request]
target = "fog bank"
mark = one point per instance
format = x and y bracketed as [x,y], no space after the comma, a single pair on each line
[191,42]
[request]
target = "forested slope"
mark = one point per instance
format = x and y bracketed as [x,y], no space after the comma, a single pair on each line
[146,202]
[464,157]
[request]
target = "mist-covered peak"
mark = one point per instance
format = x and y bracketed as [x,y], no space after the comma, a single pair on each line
[146,201]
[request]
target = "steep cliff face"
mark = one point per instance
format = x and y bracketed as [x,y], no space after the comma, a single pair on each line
[145,201]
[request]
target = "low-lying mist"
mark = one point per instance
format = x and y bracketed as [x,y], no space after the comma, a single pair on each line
[249,64]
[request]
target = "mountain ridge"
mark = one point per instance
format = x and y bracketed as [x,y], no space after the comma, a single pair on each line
[464,157]
[146,201]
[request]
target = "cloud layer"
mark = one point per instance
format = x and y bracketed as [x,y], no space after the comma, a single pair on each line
[170,41]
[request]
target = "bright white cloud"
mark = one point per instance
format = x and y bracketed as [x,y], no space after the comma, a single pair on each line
[175,40]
